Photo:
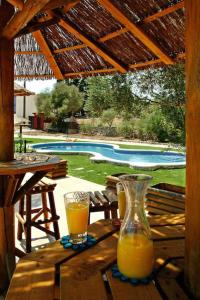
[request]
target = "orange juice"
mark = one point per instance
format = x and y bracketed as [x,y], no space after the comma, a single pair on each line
[135,256]
[77,217]
[121,203]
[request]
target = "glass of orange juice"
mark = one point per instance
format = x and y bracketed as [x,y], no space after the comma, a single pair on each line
[121,197]
[77,213]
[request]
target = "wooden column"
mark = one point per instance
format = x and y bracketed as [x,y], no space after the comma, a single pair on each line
[6,87]
[6,141]
[192,254]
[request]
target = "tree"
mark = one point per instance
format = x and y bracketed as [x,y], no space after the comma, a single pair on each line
[165,87]
[127,103]
[63,101]
[82,85]
[108,117]
[113,92]
[99,95]
[44,103]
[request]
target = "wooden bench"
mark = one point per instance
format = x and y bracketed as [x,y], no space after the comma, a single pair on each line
[59,171]
[105,201]
[162,198]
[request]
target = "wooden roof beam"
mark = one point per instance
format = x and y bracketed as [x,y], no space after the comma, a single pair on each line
[17,3]
[21,18]
[136,31]
[153,62]
[134,66]
[163,12]
[49,18]
[92,45]
[118,32]
[90,72]
[20,76]
[145,63]
[72,48]
[66,4]
[37,26]
[146,20]
[45,19]
[112,35]
[47,53]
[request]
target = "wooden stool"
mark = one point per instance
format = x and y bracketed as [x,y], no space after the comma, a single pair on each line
[43,187]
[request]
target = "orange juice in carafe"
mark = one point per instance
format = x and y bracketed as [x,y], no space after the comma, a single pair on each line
[135,256]
[135,253]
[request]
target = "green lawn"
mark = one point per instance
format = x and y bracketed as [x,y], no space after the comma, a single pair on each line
[81,166]
[38,140]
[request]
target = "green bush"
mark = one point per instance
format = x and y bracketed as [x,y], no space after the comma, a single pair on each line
[108,117]
[126,129]
[87,129]
[141,130]
[155,126]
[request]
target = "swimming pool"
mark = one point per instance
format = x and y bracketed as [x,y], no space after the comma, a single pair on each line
[152,159]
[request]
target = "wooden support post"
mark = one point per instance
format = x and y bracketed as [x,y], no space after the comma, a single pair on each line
[192,251]
[6,89]
[6,145]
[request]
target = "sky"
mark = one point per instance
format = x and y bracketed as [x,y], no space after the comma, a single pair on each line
[37,86]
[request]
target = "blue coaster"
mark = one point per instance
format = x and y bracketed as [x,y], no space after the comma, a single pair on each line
[65,241]
[134,281]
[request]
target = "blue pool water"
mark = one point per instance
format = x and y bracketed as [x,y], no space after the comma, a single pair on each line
[112,153]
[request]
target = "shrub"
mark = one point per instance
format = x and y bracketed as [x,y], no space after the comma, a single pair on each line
[141,130]
[126,129]
[87,129]
[109,131]
[155,126]
[108,117]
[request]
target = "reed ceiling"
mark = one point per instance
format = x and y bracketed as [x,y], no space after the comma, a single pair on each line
[72,38]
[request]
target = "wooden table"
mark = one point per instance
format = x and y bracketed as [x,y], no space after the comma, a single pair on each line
[55,273]
[11,190]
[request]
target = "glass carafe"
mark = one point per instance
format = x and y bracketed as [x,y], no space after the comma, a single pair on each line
[135,254]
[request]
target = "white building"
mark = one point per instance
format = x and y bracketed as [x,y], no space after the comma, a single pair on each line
[25,103]
[25,106]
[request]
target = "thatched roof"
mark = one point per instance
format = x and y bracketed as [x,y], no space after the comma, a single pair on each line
[90,37]
[20,91]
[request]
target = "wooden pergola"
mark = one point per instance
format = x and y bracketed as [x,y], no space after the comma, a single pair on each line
[20,91]
[61,34]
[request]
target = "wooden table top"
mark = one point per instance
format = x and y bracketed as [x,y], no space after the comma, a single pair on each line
[56,273]
[28,162]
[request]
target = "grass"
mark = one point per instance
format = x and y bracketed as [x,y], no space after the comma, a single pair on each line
[38,140]
[81,166]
